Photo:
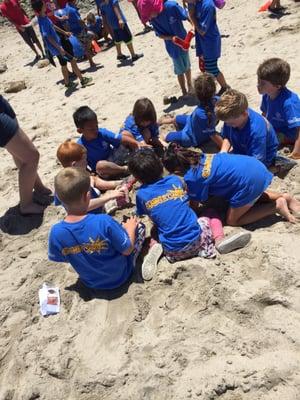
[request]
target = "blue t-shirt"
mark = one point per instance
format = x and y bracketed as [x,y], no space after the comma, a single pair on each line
[101,147]
[94,247]
[107,9]
[95,193]
[166,203]
[198,129]
[209,45]
[238,179]
[131,126]
[257,138]
[47,30]
[96,27]
[169,23]
[283,112]
[74,18]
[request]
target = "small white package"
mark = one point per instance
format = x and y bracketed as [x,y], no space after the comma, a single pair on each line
[49,299]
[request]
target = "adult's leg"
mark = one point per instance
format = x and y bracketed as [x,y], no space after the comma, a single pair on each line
[23,150]
[27,40]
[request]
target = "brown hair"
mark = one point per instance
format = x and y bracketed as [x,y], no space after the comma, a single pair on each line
[143,110]
[71,184]
[231,105]
[180,159]
[205,90]
[70,151]
[90,18]
[275,71]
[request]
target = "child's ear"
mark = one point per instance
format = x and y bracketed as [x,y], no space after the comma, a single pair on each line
[87,196]
[79,130]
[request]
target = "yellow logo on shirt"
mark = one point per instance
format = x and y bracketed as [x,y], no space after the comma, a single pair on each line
[172,194]
[207,165]
[94,246]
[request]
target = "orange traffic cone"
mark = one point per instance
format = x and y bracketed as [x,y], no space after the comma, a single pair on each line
[95,46]
[265,6]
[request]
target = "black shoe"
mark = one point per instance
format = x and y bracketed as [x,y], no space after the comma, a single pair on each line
[275,11]
[137,56]
[122,57]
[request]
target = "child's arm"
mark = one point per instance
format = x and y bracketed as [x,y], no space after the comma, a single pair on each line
[68,34]
[130,226]
[56,45]
[100,201]
[226,146]
[119,16]
[218,140]
[128,140]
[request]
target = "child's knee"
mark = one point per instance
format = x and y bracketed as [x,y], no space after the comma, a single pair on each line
[231,221]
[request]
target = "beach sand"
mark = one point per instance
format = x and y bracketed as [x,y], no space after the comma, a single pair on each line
[224,329]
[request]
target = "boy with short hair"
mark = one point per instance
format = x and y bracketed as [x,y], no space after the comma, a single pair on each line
[101,251]
[106,151]
[72,154]
[113,15]
[245,131]
[167,19]
[54,46]
[280,105]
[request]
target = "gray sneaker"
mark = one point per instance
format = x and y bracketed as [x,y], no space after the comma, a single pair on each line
[149,265]
[233,242]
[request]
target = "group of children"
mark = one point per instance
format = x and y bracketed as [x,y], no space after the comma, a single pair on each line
[104,252]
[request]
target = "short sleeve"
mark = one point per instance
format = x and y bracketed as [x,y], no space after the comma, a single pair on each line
[118,236]
[292,113]
[197,191]
[181,13]
[207,18]
[54,249]
[140,206]
[111,137]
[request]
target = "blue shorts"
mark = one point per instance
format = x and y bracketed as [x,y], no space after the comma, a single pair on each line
[182,63]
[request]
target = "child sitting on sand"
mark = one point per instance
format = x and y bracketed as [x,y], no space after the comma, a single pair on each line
[101,251]
[142,124]
[72,154]
[53,43]
[182,235]
[200,126]
[95,27]
[111,11]
[241,180]
[245,131]
[166,18]
[208,38]
[280,105]
[106,151]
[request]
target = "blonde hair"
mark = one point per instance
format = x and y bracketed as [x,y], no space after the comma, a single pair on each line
[71,184]
[231,105]
[70,151]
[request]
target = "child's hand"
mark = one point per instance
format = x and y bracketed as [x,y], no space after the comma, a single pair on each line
[115,194]
[131,223]
[142,145]
[121,23]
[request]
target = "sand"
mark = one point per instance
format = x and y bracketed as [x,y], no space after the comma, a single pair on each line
[201,329]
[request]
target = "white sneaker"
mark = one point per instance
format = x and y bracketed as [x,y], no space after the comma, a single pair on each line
[233,242]
[149,265]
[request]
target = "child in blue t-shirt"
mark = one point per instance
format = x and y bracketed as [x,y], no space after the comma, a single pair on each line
[168,23]
[106,151]
[101,251]
[240,180]
[54,45]
[142,124]
[200,126]
[245,131]
[111,10]
[181,233]
[208,38]
[280,105]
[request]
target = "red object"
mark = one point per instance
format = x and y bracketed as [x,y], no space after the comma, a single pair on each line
[14,13]
[265,6]
[184,44]
[62,3]
[95,46]
[201,64]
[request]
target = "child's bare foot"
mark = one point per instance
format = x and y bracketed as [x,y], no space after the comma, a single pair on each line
[283,209]
[31,208]
[166,119]
[293,204]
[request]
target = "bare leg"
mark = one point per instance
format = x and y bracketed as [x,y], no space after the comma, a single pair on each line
[181,81]
[22,149]
[221,80]
[89,56]
[101,184]
[38,43]
[119,50]
[108,169]
[65,72]
[76,70]
[131,49]
[188,76]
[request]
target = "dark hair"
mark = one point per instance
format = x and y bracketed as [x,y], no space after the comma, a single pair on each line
[83,115]
[143,110]
[177,158]
[275,71]
[37,5]
[205,90]
[145,165]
